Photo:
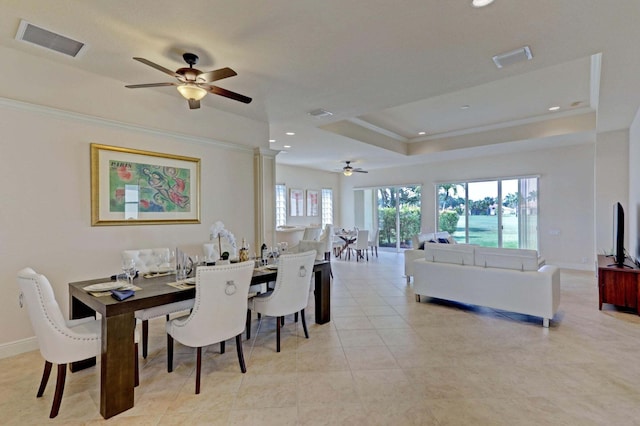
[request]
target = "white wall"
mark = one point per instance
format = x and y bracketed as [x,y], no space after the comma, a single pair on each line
[566,194]
[632,215]
[302,178]
[612,185]
[45,215]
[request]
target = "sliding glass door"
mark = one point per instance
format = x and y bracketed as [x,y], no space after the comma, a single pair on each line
[490,213]
[394,210]
[398,215]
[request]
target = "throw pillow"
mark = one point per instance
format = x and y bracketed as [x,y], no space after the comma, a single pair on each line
[421,246]
[443,241]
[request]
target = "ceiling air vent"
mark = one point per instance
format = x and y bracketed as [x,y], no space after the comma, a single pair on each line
[320,113]
[47,39]
[517,55]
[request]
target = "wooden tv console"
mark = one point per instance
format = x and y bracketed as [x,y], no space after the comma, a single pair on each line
[617,285]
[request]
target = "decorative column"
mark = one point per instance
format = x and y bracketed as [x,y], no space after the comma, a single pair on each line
[264,172]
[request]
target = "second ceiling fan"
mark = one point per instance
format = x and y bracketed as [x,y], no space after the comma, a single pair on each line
[192,83]
[348,170]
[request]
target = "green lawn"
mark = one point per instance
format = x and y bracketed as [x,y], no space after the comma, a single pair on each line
[483,230]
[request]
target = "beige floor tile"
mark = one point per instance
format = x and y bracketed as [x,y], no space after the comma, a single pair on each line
[383,359]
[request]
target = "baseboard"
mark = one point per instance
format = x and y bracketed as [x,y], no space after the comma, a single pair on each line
[576,266]
[18,347]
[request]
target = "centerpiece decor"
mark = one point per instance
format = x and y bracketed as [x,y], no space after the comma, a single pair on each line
[218,231]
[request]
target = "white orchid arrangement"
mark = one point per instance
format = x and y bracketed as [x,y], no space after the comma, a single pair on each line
[218,231]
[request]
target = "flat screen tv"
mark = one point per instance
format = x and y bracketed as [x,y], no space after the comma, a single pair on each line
[618,234]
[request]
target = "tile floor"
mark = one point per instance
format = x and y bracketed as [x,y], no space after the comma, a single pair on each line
[383,360]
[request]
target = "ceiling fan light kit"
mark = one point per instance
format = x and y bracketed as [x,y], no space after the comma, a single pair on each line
[191,91]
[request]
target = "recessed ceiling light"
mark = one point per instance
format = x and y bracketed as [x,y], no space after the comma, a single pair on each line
[481,3]
[554,108]
[286,146]
[422,133]
[272,140]
[465,107]
[290,133]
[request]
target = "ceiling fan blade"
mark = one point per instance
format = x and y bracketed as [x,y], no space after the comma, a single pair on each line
[156,66]
[193,104]
[138,86]
[208,77]
[359,171]
[229,94]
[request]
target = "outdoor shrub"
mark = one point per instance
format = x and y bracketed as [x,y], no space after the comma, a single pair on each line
[448,221]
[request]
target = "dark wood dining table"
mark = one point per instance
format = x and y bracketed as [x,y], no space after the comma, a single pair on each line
[117,357]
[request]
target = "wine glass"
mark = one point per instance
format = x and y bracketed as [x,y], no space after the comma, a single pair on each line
[129,268]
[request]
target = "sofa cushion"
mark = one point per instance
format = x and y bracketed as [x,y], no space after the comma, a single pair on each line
[460,254]
[505,258]
[432,237]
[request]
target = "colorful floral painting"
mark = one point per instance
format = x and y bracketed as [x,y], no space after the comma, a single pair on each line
[151,187]
[136,187]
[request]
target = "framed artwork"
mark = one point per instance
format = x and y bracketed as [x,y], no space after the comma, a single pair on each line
[296,202]
[312,202]
[133,187]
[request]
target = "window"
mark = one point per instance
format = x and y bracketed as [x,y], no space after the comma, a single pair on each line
[281,205]
[491,213]
[327,206]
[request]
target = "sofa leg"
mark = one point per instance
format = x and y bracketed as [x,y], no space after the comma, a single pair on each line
[545,322]
[418,298]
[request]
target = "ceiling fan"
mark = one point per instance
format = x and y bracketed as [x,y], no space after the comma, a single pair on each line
[348,170]
[193,83]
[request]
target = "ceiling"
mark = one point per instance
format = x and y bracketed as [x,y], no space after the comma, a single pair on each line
[386,70]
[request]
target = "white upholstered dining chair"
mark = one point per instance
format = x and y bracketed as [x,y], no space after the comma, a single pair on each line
[60,341]
[291,292]
[374,242]
[218,314]
[362,245]
[149,260]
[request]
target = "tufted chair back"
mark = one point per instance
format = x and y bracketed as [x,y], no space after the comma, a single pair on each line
[58,342]
[291,291]
[148,260]
[311,233]
[220,307]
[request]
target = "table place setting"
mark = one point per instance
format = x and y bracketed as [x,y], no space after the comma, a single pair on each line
[183,284]
[106,288]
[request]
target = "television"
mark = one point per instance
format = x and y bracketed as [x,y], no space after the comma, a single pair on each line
[618,234]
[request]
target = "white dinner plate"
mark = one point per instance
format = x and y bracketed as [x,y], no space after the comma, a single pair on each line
[112,285]
[273,267]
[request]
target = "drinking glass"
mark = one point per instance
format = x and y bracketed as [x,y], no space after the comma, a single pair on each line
[129,268]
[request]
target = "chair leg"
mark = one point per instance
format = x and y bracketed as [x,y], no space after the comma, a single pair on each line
[169,353]
[136,368]
[295,317]
[222,347]
[282,320]
[304,324]
[278,334]
[57,398]
[145,338]
[198,369]
[243,367]
[248,326]
[45,378]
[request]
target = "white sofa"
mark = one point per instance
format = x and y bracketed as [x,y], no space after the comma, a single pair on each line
[507,279]
[418,253]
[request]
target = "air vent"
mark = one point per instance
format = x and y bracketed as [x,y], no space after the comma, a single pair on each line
[320,113]
[47,39]
[512,57]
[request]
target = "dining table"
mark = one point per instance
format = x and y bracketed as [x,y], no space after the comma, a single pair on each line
[117,354]
[348,238]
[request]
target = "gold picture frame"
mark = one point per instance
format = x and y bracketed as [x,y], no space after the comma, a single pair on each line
[136,187]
